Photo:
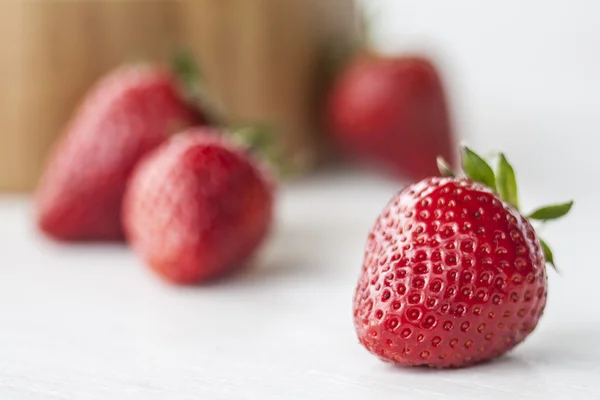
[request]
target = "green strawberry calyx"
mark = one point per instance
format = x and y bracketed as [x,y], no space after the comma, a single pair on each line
[504,183]
[193,85]
[259,139]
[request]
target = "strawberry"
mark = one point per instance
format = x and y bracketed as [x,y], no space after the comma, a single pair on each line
[197,207]
[128,113]
[453,273]
[391,111]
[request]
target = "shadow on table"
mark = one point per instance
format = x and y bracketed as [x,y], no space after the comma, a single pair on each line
[302,252]
[512,362]
[574,346]
[568,348]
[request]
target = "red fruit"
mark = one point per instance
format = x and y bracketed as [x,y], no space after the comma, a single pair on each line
[197,207]
[453,274]
[392,111]
[127,114]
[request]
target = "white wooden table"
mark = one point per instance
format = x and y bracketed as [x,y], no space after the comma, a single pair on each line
[89,322]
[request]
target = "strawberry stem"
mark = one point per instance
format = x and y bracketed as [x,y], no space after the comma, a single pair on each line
[548,256]
[444,168]
[191,79]
[259,139]
[506,182]
[477,169]
[551,212]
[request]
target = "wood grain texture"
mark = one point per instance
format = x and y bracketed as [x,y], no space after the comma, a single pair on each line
[52,51]
[259,57]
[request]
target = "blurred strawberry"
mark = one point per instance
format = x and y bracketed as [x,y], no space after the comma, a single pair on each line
[392,111]
[197,207]
[128,113]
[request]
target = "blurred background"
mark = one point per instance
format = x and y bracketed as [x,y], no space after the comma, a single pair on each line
[516,77]
[520,77]
[257,65]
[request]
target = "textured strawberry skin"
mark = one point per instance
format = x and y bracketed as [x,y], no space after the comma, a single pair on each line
[452,276]
[197,207]
[393,112]
[127,114]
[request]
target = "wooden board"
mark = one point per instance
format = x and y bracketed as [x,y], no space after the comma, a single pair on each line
[260,58]
[52,51]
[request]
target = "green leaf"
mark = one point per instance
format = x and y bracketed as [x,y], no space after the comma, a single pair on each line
[506,182]
[258,138]
[548,256]
[192,83]
[261,140]
[188,73]
[551,212]
[477,169]
[444,168]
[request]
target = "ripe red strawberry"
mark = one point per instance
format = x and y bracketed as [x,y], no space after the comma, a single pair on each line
[127,114]
[197,207]
[453,273]
[392,111]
